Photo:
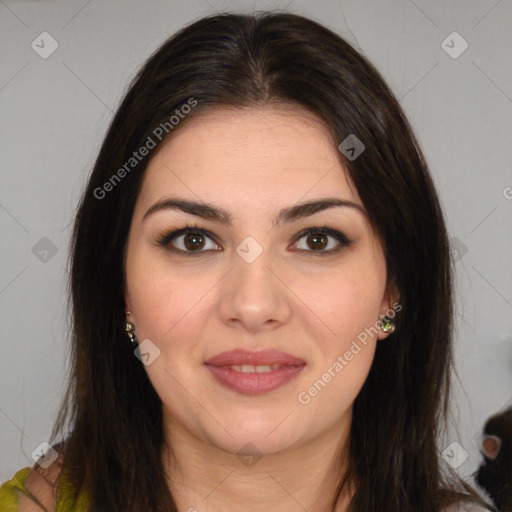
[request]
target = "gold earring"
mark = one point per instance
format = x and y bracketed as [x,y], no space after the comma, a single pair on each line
[388,325]
[130,331]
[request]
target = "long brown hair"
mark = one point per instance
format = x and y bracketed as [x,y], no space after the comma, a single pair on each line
[109,428]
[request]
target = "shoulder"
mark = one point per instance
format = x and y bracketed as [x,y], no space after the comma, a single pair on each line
[10,490]
[31,489]
[42,484]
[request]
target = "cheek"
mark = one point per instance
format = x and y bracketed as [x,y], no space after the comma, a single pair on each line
[167,304]
[346,302]
[167,310]
[153,295]
[332,393]
[350,307]
[341,370]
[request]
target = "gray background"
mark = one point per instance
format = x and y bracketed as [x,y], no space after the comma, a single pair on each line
[55,112]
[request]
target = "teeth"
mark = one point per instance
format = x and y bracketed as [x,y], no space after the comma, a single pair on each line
[249,368]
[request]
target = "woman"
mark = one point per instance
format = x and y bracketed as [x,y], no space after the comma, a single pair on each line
[262,224]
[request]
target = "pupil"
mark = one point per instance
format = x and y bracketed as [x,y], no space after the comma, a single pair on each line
[316,238]
[195,240]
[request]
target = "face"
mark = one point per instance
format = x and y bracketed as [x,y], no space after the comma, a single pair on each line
[311,285]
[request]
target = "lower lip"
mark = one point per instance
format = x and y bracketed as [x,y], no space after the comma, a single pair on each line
[254,383]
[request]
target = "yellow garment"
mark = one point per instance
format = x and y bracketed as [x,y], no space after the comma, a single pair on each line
[10,491]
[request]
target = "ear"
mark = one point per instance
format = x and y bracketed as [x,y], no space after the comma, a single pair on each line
[127,305]
[390,307]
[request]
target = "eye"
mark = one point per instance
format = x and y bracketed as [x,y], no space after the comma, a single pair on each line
[318,239]
[189,241]
[193,240]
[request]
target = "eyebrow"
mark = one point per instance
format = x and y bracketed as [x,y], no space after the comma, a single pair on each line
[288,214]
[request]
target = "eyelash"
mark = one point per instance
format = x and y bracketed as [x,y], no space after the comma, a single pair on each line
[165,238]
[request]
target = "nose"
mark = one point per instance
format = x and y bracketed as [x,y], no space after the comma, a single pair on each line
[254,295]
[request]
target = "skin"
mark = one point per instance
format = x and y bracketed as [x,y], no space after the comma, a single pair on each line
[253,162]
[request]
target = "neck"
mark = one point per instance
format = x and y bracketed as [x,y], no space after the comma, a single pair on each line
[204,478]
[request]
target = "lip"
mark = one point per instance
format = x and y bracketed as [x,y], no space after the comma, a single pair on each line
[264,357]
[254,383]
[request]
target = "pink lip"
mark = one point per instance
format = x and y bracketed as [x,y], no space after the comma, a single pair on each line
[265,357]
[254,383]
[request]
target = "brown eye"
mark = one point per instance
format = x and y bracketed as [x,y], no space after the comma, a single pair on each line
[317,241]
[193,241]
[189,241]
[322,241]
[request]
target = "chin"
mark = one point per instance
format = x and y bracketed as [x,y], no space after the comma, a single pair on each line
[265,439]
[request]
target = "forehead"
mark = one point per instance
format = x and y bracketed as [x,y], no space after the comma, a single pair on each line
[256,156]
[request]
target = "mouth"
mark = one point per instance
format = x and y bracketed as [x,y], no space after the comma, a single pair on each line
[254,373]
[250,368]
[255,358]
[254,380]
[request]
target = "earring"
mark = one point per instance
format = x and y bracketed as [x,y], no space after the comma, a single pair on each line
[388,325]
[130,331]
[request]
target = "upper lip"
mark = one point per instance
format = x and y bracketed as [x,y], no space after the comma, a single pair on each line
[247,357]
